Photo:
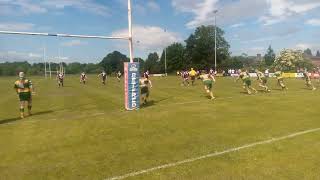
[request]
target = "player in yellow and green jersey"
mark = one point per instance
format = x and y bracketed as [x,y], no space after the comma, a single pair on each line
[262,80]
[279,77]
[208,80]
[244,76]
[24,89]
[308,80]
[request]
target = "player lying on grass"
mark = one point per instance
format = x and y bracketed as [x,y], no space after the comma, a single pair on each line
[244,76]
[208,80]
[308,80]
[279,77]
[60,78]
[262,80]
[24,89]
[145,85]
[119,76]
[83,78]
[103,76]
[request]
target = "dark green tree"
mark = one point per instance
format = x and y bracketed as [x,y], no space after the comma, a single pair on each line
[152,63]
[269,57]
[200,47]
[175,58]
[113,62]
[318,53]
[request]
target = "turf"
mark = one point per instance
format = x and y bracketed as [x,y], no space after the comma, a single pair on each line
[83,131]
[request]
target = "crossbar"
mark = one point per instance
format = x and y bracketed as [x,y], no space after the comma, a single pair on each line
[63,35]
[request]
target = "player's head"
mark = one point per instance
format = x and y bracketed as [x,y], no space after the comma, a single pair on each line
[21,75]
[191,69]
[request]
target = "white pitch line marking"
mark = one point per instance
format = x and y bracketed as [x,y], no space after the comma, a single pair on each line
[269,141]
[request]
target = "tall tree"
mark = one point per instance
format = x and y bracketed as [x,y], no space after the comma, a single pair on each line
[318,53]
[175,58]
[200,47]
[152,63]
[308,52]
[113,62]
[270,56]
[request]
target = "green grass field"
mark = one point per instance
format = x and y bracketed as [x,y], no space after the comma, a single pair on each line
[83,132]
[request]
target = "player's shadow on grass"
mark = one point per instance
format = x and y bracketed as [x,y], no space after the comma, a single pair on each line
[153,102]
[6,121]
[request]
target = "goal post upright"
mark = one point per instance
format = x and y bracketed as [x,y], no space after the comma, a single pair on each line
[130,31]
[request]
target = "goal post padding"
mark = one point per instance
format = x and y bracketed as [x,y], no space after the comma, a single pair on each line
[131,84]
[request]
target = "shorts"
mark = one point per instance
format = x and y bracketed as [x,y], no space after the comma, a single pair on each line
[247,82]
[208,84]
[145,91]
[192,78]
[25,96]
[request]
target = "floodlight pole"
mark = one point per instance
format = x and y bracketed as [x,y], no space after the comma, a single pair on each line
[45,64]
[165,57]
[130,31]
[215,40]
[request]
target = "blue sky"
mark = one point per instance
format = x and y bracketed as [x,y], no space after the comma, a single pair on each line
[250,26]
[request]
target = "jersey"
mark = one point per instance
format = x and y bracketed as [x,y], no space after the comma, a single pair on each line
[193,73]
[307,77]
[185,75]
[83,76]
[278,74]
[244,76]
[23,86]
[60,77]
[260,75]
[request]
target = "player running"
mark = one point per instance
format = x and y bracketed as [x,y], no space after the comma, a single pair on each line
[24,89]
[192,74]
[103,76]
[262,80]
[279,77]
[185,78]
[145,84]
[244,76]
[83,78]
[60,78]
[119,76]
[146,74]
[308,80]
[208,80]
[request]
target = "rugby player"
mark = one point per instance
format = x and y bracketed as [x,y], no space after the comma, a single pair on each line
[279,77]
[262,80]
[83,78]
[24,89]
[119,76]
[185,78]
[60,78]
[245,77]
[208,80]
[192,74]
[103,76]
[308,80]
[145,84]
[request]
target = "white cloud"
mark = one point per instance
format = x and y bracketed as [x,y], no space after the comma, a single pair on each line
[150,38]
[16,26]
[25,7]
[280,10]
[153,6]
[237,25]
[313,22]
[20,56]
[73,43]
